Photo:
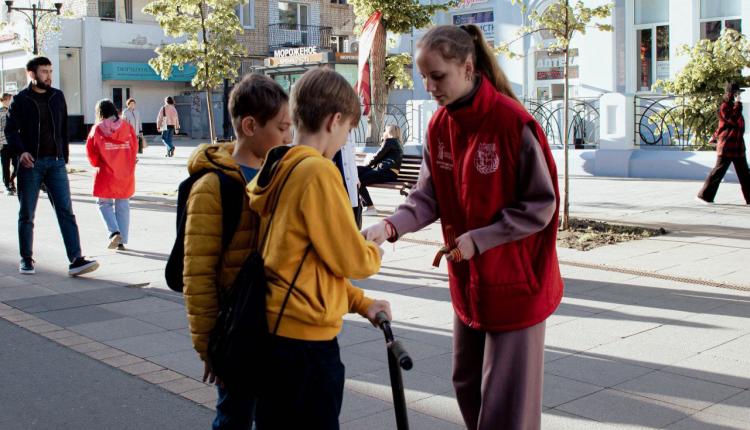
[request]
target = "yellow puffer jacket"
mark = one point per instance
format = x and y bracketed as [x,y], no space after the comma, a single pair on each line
[205,266]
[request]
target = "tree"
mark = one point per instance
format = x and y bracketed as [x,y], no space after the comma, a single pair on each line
[699,86]
[399,16]
[562,21]
[209,28]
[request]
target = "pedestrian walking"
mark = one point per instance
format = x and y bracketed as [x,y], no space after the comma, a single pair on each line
[112,147]
[9,160]
[384,166]
[37,131]
[132,116]
[489,175]
[259,109]
[168,122]
[312,249]
[730,146]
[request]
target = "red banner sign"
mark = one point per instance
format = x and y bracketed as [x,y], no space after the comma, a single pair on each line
[363,67]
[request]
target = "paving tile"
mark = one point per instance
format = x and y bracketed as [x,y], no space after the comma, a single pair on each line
[108,295]
[73,340]
[169,320]
[46,303]
[105,353]
[377,350]
[709,367]
[202,395]
[736,408]
[356,364]
[186,362]
[122,360]
[559,390]
[89,347]
[150,345]
[356,406]
[417,385]
[679,390]
[78,315]
[387,420]
[141,368]
[618,407]
[737,349]
[59,334]
[705,421]
[559,420]
[142,305]
[442,406]
[115,329]
[179,386]
[160,376]
[23,292]
[603,372]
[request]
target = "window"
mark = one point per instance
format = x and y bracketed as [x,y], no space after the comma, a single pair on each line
[340,43]
[246,13]
[293,14]
[652,42]
[338,1]
[107,10]
[717,15]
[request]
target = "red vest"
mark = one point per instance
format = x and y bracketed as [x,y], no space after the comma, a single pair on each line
[474,153]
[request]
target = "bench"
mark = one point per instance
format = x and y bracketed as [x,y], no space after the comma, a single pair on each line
[407,176]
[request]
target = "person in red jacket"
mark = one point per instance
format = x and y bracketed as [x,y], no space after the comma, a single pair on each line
[730,148]
[112,147]
[489,175]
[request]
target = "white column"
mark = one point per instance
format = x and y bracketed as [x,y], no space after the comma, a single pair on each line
[683,30]
[616,131]
[91,67]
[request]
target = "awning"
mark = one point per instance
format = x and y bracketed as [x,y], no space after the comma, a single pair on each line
[124,71]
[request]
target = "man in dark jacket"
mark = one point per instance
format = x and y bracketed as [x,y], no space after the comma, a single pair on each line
[37,131]
[730,147]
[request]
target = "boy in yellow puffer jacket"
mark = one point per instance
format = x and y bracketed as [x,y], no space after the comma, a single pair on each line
[313,237]
[260,116]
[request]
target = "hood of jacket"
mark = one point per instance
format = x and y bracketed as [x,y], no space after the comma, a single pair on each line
[280,161]
[109,126]
[215,157]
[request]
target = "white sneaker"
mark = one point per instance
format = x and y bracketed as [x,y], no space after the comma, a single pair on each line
[370,211]
[114,241]
[703,202]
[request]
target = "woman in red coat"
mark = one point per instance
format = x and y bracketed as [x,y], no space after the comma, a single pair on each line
[112,147]
[488,174]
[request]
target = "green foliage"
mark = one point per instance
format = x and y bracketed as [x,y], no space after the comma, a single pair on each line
[399,16]
[699,86]
[397,73]
[562,20]
[210,28]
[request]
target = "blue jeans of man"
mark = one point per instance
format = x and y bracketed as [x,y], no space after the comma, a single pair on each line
[50,171]
[116,216]
[166,138]
[234,411]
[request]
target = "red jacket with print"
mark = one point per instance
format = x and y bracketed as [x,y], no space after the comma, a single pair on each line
[475,151]
[729,135]
[112,147]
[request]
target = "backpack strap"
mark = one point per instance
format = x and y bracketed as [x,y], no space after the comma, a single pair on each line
[231,207]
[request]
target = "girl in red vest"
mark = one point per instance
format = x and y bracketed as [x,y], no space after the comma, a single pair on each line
[112,147]
[489,176]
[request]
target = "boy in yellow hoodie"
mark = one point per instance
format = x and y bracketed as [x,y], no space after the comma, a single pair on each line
[312,237]
[259,109]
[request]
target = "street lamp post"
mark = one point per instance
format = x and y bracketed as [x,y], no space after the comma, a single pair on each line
[37,12]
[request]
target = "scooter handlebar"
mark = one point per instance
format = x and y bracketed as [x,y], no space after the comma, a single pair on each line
[403,358]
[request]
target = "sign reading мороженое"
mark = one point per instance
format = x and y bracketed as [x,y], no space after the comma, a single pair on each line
[295,52]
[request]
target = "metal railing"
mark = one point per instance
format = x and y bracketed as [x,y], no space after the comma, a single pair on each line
[294,36]
[583,119]
[394,115]
[670,121]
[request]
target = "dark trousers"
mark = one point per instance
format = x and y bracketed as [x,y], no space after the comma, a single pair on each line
[234,411]
[305,386]
[369,176]
[8,161]
[51,172]
[498,377]
[711,186]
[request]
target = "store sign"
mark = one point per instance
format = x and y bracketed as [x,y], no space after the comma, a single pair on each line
[551,65]
[462,4]
[297,59]
[295,52]
[484,20]
[347,57]
[123,71]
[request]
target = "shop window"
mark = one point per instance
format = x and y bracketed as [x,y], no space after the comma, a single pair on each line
[720,8]
[246,13]
[717,15]
[338,1]
[293,14]
[651,11]
[340,43]
[107,10]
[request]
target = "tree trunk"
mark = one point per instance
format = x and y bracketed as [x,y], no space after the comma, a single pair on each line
[566,143]
[211,130]
[378,86]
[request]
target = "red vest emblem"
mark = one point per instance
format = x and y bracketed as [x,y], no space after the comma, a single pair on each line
[486,159]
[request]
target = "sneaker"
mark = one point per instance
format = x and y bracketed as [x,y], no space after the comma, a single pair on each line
[81,266]
[370,211]
[26,267]
[121,247]
[703,202]
[114,240]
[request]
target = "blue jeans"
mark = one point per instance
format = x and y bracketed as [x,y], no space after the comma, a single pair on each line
[116,216]
[50,171]
[166,138]
[234,411]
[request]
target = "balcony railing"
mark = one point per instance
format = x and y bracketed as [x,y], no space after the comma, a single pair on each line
[282,36]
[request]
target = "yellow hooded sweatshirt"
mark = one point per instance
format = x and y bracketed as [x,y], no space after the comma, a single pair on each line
[313,210]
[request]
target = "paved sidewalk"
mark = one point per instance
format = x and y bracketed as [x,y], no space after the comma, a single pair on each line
[622,351]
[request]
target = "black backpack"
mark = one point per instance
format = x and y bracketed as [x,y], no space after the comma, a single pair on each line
[240,339]
[231,204]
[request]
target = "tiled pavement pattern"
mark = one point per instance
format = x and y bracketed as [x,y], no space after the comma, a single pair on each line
[622,351]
